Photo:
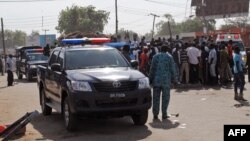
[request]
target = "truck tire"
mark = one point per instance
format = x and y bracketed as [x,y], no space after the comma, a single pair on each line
[140,118]
[70,119]
[46,110]
[19,75]
[28,76]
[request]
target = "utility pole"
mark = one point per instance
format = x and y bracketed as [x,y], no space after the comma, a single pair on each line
[154,15]
[116,19]
[45,30]
[205,28]
[4,51]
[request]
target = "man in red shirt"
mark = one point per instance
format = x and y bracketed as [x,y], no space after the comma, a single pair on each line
[144,61]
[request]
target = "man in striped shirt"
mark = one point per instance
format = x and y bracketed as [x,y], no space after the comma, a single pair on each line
[184,64]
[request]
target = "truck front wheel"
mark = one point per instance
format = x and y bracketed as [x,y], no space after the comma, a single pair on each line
[46,110]
[69,118]
[140,118]
[28,76]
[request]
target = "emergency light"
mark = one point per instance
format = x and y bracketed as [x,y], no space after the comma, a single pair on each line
[116,44]
[85,41]
[34,50]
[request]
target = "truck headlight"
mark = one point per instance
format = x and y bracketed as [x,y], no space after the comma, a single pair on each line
[143,83]
[80,86]
[32,66]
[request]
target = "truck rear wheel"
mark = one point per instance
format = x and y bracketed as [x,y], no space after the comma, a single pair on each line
[46,110]
[28,76]
[69,118]
[140,118]
[19,75]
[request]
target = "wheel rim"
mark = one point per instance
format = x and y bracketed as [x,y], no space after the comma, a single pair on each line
[66,113]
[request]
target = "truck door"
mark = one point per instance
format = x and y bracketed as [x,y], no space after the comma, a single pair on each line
[50,77]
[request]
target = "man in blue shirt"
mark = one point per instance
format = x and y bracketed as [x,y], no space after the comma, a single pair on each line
[162,72]
[239,79]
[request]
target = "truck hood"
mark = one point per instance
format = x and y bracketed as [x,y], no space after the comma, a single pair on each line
[37,62]
[104,74]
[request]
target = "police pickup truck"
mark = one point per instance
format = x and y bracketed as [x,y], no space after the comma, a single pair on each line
[92,81]
[28,59]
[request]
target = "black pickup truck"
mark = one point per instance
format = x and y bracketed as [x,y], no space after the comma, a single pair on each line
[93,81]
[28,58]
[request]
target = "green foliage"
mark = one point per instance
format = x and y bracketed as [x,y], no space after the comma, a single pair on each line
[13,38]
[189,25]
[127,35]
[83,19]
[240,22]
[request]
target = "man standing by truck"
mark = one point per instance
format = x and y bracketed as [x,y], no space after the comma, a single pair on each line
[9,68]
[162,72]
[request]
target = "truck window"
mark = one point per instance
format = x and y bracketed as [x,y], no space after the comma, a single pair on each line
[60,58]
[53,57]
[85,59]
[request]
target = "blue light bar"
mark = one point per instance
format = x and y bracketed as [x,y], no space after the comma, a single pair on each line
[74,41]
[116,44]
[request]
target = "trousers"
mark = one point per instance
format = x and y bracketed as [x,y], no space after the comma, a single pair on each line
[156,100]
[10,78]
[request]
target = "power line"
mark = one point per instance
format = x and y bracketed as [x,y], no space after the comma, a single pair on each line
[9,1]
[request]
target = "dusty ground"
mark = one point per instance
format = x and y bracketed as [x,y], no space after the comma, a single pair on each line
[203,112]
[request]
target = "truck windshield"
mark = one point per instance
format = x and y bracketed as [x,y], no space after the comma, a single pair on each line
[36,57]
[88,59]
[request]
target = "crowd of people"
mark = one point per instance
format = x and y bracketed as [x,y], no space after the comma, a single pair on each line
[201,61]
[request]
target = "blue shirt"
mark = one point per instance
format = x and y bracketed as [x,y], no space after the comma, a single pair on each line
[237,58]
[162,70]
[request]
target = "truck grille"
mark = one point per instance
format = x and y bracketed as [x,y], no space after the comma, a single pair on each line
[109,87]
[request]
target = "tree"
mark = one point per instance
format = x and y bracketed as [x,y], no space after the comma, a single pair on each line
[127,34]
[189,25]
[13,38]
[83,19]
[240,22]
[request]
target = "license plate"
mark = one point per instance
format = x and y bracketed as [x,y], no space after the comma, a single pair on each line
[117,95]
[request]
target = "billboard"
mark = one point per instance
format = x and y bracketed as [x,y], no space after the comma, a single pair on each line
[221,8]
[47,39]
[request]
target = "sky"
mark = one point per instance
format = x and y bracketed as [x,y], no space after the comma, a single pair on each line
[41,15]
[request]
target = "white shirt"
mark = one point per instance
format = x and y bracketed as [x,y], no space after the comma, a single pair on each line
[212,55]
[9,64]
[193,53]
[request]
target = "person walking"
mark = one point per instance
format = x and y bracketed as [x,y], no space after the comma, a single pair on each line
[212,60]
[239,78]
[9,68]
[162,72]
[225,72]
[184,65]
[194,59]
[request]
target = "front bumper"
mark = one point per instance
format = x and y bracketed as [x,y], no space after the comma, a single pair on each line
[97,103]
[32,72]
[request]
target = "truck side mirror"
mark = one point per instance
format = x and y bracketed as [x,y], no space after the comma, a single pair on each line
[56,67]
[134,63]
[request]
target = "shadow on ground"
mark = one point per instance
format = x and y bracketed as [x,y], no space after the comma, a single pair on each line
[164,124]
[122,129]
